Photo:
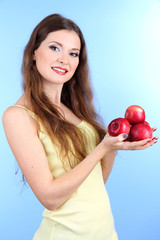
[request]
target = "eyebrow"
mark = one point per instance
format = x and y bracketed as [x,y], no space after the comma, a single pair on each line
[62,45]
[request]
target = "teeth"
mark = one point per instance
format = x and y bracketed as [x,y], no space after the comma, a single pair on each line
[60,70]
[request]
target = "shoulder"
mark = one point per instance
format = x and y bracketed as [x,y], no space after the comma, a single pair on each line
[10,113]
[17,118]
[13,112]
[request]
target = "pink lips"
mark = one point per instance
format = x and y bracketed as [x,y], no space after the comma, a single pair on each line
[59,70]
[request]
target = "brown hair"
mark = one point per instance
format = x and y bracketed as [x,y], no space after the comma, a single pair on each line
[76,93]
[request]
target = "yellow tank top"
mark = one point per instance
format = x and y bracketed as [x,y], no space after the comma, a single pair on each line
[87,214]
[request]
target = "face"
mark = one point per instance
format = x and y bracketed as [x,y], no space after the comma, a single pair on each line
[57,57]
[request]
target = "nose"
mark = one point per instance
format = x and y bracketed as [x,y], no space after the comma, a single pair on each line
[63,58]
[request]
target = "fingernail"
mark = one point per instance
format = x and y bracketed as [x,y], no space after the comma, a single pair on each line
[155,138]
[154,129]
[125,135]
[148,141]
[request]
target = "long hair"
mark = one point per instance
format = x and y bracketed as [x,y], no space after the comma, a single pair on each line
[76,93]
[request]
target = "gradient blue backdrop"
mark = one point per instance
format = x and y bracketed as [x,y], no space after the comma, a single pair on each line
[123,41]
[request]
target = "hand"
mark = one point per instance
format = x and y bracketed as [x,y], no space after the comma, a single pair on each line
[118,143]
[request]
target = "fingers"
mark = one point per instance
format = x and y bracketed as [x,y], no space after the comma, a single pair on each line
[136,145]
[139,145]
[148,144]
[153,140]
[118,143]
[117,139]
[143,144]
[121,137]
[154,129]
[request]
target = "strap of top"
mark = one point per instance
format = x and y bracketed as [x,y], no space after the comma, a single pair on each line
[32,114]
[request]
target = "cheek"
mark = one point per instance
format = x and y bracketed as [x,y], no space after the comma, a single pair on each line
[41,58]
[75,65]
[42,62]
[39,65]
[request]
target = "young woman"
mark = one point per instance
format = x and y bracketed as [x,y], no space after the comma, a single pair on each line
[64,152]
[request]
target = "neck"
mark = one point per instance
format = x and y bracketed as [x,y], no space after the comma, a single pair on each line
[54,93]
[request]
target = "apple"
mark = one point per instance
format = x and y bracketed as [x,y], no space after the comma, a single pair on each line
[135,114]
[146,123]
[118,126]
[140,131]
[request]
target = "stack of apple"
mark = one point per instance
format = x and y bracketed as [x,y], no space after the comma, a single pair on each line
[133,124]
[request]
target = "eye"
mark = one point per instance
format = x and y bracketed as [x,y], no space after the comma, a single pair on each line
[73,54]
[54,48]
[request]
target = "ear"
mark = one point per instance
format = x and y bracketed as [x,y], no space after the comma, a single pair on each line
[34,57]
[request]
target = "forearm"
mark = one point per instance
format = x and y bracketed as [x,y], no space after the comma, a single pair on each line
[107,164]
[62,188]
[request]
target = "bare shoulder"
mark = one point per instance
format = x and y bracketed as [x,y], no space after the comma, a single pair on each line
[18,118]
[10,112]
[13,111]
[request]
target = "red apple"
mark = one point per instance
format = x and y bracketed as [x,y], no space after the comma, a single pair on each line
[118,126]
[135,114]
[140,131]
[146,123]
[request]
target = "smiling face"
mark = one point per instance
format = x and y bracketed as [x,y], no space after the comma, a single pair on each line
[57,57]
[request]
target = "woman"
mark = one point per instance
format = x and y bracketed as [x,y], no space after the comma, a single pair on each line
[64,153]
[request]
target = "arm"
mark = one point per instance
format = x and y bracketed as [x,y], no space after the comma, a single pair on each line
[108,160]
[22,136]
[21,133]
[107,164]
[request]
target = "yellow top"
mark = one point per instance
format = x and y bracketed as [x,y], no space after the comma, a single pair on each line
[87,214]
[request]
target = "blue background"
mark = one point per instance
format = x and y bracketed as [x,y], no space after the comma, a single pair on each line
[123,42]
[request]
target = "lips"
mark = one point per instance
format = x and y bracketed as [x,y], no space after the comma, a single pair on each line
[59,70]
